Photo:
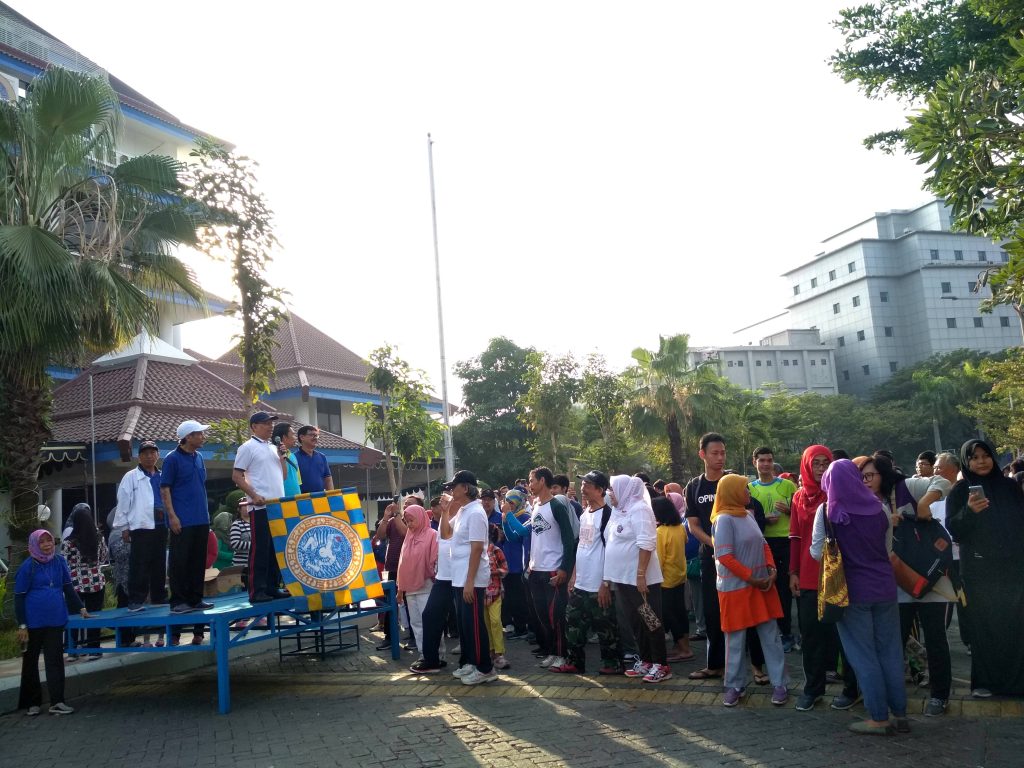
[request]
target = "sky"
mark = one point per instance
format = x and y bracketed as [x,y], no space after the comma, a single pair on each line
[605,172]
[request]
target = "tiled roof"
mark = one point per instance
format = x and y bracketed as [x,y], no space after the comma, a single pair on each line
[147,400]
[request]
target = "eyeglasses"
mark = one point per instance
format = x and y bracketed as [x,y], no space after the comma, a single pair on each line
[867,477]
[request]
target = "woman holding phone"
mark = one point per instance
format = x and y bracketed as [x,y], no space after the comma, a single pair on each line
[985,514]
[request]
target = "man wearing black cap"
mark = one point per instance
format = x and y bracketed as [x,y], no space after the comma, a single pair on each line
[140,512]
[260,471]
[590,605]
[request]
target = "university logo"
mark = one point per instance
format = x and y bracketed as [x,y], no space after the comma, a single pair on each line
[323,548]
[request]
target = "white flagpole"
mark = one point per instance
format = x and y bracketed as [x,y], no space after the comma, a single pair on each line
[449,451]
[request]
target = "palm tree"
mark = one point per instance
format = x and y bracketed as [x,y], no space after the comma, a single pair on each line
[82,251]
[669,398]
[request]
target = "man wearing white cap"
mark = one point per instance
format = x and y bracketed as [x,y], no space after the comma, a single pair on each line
[183,490]
[259,471]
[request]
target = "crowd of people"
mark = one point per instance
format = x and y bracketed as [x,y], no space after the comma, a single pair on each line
[631,567]
[642,569]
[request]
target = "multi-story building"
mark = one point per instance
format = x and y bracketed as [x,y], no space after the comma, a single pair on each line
[896,289]
[792,360]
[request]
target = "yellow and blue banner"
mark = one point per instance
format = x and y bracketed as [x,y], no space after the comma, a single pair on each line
[323,548]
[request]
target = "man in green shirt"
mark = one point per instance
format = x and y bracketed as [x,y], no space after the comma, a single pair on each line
[775,495]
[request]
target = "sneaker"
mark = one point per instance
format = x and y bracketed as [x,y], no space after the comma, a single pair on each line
[870,729]
[475,676]
[787,643]
[181,608]
[203,606]
[780,695]
[610,670]
[465,669]
[509,629]
[566,668]
[639,669]
[902,725]
[518,636]
[136,607]
[935,708]
[32,711]
[547,661]
[658,673]
[732,697]
[806,702]
[421,667]
[60,708]
[833,677]
[500,662]
[981,693]
[844,702]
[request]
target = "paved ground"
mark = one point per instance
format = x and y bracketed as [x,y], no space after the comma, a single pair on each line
[362,709]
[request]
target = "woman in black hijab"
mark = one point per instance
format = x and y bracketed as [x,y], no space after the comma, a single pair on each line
[86,552]
[989,525]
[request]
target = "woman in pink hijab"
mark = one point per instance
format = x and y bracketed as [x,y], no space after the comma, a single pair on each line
[417,566]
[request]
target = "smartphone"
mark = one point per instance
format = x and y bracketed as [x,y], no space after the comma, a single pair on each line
[977,490]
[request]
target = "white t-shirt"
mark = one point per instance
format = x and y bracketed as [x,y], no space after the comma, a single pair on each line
[590,552]
[545,540]
[262,467]
[444,554]
[626,535]
[469,526]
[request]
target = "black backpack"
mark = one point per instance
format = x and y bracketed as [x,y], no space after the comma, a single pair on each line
[922,553]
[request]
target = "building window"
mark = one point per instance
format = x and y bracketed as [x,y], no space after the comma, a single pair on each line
[785,362]
[888,331]
[846,375]
[856,301]
[860,335]
[972,285]
[814,282]
[892,366]
[1004,322]
[951,322]
[866,369]
[842,341]
[739,363]
[883,296]
[328,415]
[958,255]
[757,363]
[768,363]
[796,362]
[730,363]
[852,266]
[982,256]
[979,322]
[835,309]
[813,361]
[796,290]
[1004,257]
[934,252]
[947,287]
[831,275]
[824,361]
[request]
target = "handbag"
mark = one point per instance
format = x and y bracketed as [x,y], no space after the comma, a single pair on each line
[833,596]
[922,553]
[649,617]
[693,568]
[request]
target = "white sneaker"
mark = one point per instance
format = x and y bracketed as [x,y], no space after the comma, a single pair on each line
[547,660]
[509,629]
[60,708]
[557,661]
[476,677]
[500,662]
[464,670]
[32,711]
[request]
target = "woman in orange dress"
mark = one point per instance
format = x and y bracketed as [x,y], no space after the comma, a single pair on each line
[746,590]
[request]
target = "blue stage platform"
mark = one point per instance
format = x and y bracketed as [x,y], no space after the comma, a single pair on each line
[221,638]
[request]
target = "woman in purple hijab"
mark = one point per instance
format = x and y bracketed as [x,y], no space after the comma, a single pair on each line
[870,627]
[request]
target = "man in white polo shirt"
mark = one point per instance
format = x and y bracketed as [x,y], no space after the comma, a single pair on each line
[259,471]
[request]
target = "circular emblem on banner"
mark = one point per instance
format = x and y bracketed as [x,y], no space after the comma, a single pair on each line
[324,553]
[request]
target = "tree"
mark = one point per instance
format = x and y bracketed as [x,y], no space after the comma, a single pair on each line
[605,436]
[241,228]
[491,439]
[401,423]
[1000,412]
[84,247]
[669,397]
[553,385]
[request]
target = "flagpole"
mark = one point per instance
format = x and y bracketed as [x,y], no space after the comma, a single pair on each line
[449,451]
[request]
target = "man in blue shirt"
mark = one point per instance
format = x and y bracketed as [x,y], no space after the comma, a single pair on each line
[313,467]
[183,490]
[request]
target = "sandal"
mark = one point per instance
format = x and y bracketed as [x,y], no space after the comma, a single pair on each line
[705,674]
[761,678]
[673,657]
